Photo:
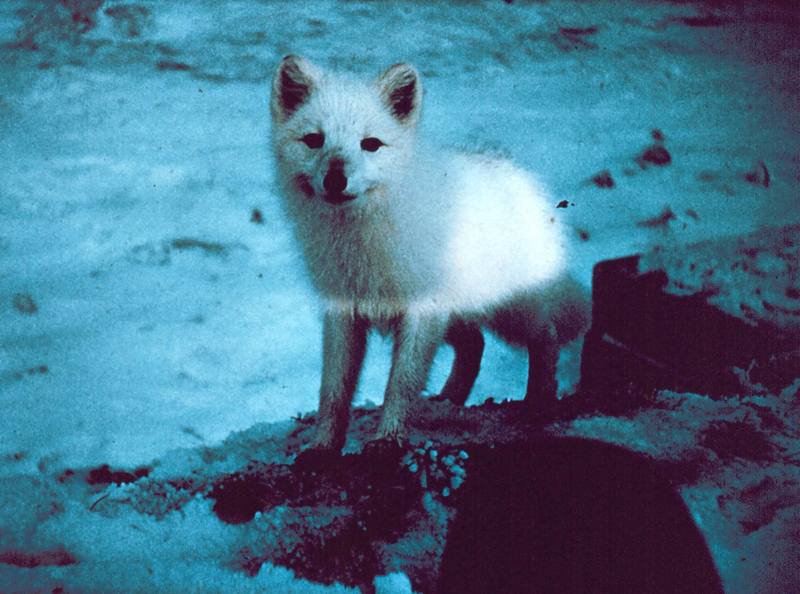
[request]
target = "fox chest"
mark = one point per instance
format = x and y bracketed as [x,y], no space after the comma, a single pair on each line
[358,269]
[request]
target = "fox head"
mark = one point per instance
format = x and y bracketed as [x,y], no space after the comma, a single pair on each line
[339,141]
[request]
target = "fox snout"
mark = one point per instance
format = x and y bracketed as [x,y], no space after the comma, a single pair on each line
[335,180]
[335,183]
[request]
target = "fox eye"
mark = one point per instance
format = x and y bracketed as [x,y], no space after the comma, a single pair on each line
[371,144]
[314,140]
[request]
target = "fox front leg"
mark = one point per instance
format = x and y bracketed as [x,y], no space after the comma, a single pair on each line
[416,340]
[344,342]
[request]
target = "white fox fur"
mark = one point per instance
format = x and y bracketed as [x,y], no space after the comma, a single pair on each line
[426,244]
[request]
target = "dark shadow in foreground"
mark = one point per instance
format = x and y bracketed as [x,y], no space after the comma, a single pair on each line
[572,515]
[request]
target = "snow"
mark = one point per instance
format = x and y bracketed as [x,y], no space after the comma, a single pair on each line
[144,318]
[753,278]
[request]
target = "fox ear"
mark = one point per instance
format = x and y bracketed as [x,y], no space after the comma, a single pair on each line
[294,82]
[401,91]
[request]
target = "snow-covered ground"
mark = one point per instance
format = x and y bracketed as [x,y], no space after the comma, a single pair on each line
[143,306]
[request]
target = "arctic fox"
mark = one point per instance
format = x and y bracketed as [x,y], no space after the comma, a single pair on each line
[423,244]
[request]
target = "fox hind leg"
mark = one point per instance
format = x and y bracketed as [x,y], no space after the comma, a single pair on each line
[526,321]
[543,350]
[467,342]
[563,314]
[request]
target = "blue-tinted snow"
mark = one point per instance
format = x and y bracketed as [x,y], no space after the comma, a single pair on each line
[134,149]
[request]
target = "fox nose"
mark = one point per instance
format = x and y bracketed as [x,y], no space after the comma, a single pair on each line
[335,180]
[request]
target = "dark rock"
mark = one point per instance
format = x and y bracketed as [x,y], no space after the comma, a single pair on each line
[685,332]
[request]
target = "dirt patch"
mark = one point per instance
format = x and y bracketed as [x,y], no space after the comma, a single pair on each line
[160,253]
[210,248]
[703,21]
[654,155]
[758,175]
[660,220]
[130,17]
[17,558]
[22,374]
[170,65]
[104,475]
[574,38]
[737,439]
[603,179]
[761,501]
[344,518]
[24,304]
[753,277]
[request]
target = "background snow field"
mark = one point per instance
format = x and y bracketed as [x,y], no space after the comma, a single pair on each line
[152,302]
